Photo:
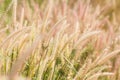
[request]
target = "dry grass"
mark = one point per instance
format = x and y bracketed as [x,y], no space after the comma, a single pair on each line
[59,40]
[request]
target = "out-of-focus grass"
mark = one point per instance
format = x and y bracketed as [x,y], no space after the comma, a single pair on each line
[59,40]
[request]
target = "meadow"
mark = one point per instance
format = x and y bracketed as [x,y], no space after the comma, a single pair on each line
[59,39]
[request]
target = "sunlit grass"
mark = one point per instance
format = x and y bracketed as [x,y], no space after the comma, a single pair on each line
[59,40]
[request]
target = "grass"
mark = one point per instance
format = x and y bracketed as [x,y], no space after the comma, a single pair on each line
[59,40]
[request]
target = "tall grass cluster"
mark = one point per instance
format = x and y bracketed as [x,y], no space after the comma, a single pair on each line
[59,40]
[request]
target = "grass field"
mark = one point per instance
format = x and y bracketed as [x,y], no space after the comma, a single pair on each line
[59,39]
